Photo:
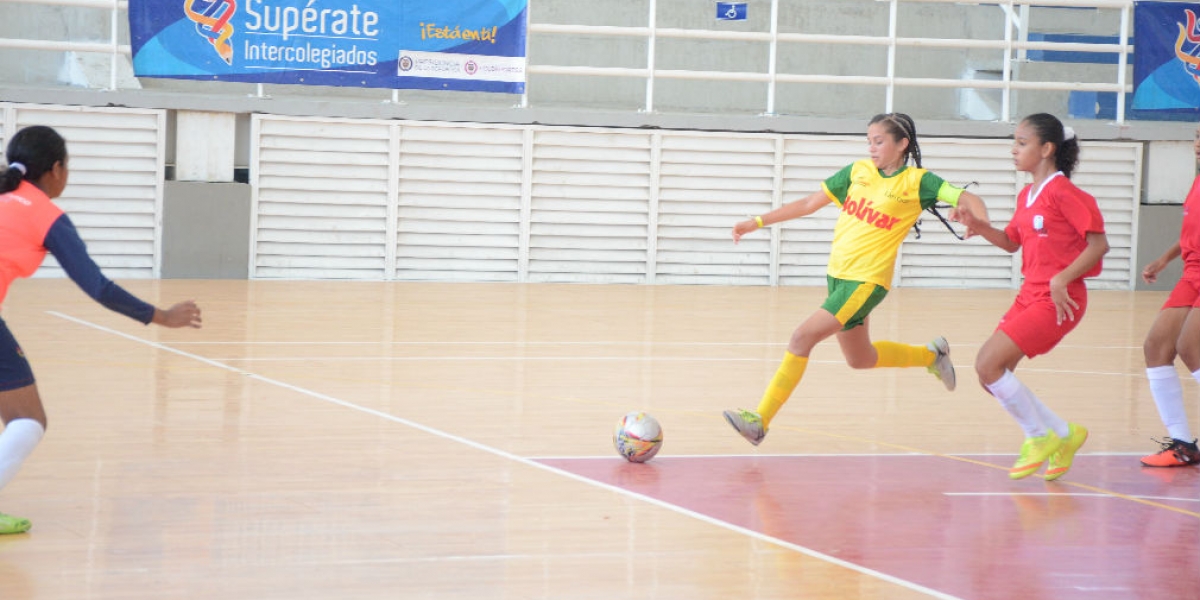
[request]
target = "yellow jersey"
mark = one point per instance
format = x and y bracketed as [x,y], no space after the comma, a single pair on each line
[877,212]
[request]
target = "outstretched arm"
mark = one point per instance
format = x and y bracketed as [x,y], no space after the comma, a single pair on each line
[68,248]
[970,203]
[983,228]
[792,210]
[1150,273]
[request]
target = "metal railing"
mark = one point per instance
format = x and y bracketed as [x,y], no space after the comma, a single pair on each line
[1013,47]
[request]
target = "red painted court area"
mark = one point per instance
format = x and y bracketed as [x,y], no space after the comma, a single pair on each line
[1110,529]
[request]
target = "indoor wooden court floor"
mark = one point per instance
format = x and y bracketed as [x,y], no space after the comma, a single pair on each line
[399,440]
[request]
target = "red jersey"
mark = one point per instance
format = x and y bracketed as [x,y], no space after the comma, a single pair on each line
[1189,234]
[1051,225]
[26,214]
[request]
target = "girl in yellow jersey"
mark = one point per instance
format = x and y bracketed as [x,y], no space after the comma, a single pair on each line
[881,198]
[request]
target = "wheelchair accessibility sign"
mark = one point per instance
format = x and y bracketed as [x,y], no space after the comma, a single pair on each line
[731,11]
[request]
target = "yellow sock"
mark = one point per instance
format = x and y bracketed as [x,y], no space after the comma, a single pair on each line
[895,354]
[781,387]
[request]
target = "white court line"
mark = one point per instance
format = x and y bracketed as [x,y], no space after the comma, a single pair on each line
[780,343]
[503,358]
[475,343]
[525,461]
[684,456]
[803,455]
[511,357]
[1090,495]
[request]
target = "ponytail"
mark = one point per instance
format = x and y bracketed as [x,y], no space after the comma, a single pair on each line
[1066,144]
[11,177]
[32,152]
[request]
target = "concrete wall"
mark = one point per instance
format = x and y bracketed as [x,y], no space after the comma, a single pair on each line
[1170,168]
[206,230]
[1158,229]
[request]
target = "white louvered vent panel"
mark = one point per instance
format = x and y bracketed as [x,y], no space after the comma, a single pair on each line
[938,259]
[1111,172]
[589,219]
[116,184]
[706,184]
[321,198]
[805,242]
[460,203]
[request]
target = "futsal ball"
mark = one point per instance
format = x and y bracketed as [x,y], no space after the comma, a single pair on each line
[638,437]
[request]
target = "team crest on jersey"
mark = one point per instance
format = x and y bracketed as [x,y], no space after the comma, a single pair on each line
[1039,225]
[212,23]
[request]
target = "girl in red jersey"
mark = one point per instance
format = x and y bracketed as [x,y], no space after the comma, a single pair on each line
[1176,332]
[1060,233]
[31,225]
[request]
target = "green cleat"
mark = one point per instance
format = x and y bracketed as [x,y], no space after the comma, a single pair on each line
[942,367]
[1034,453]
[747,423]
[1060,461]
[11,524]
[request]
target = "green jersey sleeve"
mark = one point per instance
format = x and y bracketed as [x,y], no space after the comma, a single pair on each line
[934,189]
[838,185]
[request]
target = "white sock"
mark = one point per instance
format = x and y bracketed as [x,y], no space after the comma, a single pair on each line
[1019,402]
[1051,420]
[17,441]
[1168,397]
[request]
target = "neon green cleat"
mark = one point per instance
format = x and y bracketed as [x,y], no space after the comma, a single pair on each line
[942,367]
[11,524]
[1034,453]
[1060,461]
[747,423]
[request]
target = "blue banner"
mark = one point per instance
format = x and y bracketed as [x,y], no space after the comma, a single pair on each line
[731,11]
[1166,66]
[471,45]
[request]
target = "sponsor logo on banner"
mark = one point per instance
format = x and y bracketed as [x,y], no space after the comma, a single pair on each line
[443,65]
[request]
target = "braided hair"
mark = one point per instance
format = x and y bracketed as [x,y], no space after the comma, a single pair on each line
[901,126]
[32,152]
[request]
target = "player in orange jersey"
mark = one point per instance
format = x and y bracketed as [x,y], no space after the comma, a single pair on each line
[31,225]
[880,198]
[1176,332]
[1060,232]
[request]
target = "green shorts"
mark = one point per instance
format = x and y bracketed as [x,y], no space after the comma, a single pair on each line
[851,301]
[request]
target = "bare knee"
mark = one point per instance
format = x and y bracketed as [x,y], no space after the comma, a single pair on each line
[1158,351]
[802,342]
[1188,353]
[860,362]
[989,371]
[22,403]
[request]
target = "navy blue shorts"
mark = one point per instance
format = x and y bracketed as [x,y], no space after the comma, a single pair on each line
[14,369]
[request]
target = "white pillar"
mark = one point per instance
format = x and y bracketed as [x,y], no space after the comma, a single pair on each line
[204,145]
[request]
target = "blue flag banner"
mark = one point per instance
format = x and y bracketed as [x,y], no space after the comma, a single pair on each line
[468,45]
[1166,66]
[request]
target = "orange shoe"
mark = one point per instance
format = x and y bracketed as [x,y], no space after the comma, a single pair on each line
[1174,453]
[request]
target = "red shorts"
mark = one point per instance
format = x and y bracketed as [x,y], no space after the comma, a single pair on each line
[1185,294]
[1032,321]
